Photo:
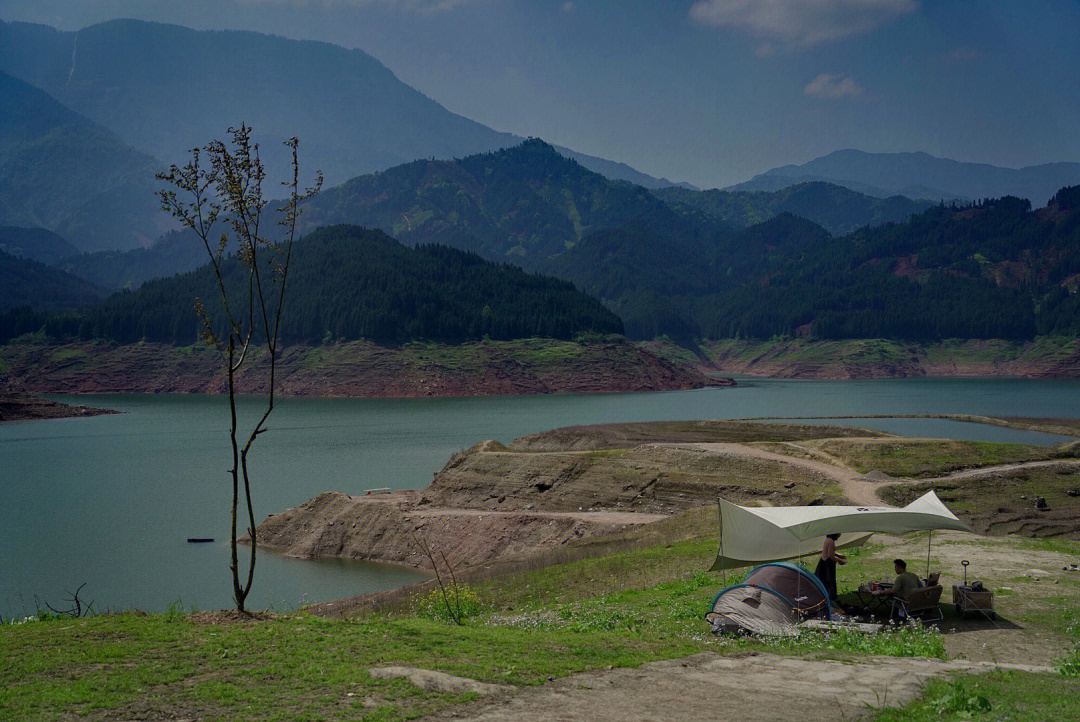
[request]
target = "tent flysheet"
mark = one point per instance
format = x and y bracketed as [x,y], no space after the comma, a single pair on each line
[753,535]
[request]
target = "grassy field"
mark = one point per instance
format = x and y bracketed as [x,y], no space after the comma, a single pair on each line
[619,610]
[1001,695]
[916,458]
[1005,503]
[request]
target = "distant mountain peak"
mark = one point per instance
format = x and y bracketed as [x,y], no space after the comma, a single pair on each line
[920,175]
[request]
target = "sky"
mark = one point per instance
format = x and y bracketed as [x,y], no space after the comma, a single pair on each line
[706,91]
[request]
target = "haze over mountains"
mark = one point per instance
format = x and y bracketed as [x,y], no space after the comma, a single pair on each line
[921,176]
[61,171]
[165,89]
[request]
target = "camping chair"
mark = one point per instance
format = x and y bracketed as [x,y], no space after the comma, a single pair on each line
[923,603]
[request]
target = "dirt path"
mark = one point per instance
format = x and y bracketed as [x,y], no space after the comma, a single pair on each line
[854,486]
[709,686]
[600,517]
[988,470]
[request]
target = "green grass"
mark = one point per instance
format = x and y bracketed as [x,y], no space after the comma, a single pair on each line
[69,354]
[619,610]
[1001,695]
[928,457]
[1001,504]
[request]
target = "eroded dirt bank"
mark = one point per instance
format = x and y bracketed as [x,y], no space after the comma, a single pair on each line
[494,503]
[358,369]
[586,486]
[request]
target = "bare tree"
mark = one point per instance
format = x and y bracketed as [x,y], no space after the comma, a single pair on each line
[222,203]
[453,609]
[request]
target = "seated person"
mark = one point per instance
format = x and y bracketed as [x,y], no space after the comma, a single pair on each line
[906,582]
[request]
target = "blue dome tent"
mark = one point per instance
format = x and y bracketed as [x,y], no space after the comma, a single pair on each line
[772,599]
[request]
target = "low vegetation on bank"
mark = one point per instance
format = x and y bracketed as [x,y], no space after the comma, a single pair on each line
[589,363]
[26,407]
[868,358]
[918,458]
[1031,502]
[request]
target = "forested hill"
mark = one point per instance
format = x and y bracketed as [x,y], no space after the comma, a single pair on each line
[993,270]
[529,204]
[38,244]
[523,205]
[921,175]
[27,283]
[349,283]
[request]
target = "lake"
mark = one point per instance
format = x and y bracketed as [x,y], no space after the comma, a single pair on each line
[111,500]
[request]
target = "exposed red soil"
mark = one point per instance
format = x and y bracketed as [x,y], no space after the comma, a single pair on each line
[359,370]
[395,527]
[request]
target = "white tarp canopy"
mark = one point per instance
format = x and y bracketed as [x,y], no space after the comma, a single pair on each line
[753,535]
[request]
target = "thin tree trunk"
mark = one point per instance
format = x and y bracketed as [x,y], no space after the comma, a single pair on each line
[238,593]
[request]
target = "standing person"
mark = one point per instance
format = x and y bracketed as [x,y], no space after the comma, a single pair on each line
[826,566]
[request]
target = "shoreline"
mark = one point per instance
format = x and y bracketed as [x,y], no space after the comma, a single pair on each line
[32,407]
[854,359]
[354,370]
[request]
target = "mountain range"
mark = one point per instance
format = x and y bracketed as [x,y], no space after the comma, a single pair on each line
[525,205]
[921,176]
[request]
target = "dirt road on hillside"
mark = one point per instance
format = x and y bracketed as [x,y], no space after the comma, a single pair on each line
[709,686]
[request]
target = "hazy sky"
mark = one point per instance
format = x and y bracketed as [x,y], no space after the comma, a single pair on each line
[709,91]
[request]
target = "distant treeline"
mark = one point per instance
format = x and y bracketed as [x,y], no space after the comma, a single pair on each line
[348,283]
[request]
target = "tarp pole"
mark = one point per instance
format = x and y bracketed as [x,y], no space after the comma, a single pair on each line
[723,567]
[929,539]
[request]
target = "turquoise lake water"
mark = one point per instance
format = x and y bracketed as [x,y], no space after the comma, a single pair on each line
[111,500]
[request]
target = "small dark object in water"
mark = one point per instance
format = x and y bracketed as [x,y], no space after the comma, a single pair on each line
[199,540]
[1041,504]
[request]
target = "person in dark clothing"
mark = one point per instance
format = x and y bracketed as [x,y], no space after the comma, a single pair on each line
[826,566]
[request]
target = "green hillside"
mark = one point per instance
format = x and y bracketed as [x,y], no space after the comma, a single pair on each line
[175,252]
[524,204]
[348,283]
[26,284]
[993,270]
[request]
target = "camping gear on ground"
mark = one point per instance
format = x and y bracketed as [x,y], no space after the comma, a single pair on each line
[754,535]
[834,625]
[969,599]
[923,603]
[973,597]
[872,603]
[769,535]
[771,600]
